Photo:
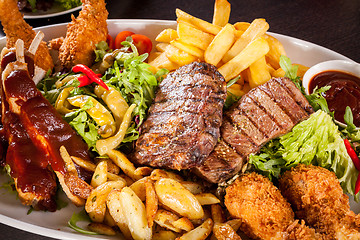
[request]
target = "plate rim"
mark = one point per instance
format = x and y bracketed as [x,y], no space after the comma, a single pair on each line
[54,233]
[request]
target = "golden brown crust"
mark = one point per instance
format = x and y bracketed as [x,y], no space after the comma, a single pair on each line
[15,27]
[317,197]
[88,29]
[258,203]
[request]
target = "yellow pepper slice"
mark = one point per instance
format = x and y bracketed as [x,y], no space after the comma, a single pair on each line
[61,102]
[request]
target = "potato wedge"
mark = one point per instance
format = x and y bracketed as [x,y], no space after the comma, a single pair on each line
[252,52]
[221,15]
[193,36]
[166,35]
[258,73]
[207,198]
[219,46]
[199,23]
[115,209]
[217,213]
[174,196]
[164,235]
[95,205]
[135,214]
[101,228]
[234,223]
[224,231]
[159,173]
[139,188]
[256,29]
[183,224]
[100,175]
[199,233]
[151,202]
[165,219]
[121,160]
[179,56]
[193,187]
[143,171]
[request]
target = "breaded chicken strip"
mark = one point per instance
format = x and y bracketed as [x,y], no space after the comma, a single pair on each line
[317,197]
[16,28]
[88,29]
[264,212]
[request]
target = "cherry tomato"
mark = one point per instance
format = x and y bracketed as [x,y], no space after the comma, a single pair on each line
[142,43]
[122,37]
[110,41]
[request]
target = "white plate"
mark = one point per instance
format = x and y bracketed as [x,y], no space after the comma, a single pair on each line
[55,224]
[52,12]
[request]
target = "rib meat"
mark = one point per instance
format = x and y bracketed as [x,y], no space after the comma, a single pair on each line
[265,113]
[182,127]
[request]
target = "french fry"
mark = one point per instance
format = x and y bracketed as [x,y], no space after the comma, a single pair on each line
[101,229]
[221,43]
[301,70]
[174,196]
[163,62]
[256,29]
[183,224]
[151,202]
[121,160]
[278,73]
[115,209]
[217,213]
[199,23]
[241,26]
[157,174]
[199,233]
[153,56]
[166,35]
[193,187]
[178,56]
[139,188]
[135,214]
[252,52]
[100,175]
[224,231]
[95,205]
[276,50]
[207,198]
[193,36]
[161,46]
[164,235]
[221,15]
[236,89]
[259,73]
[197,52]
[165,219]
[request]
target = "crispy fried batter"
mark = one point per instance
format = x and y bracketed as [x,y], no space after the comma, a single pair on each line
[15,27]
[88,29]
[264,212]
[317,197]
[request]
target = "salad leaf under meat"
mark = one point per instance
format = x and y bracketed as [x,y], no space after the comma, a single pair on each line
[317,141]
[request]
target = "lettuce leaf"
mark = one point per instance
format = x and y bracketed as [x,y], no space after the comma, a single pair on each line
[317,141]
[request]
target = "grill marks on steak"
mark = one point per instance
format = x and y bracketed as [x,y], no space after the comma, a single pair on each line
[183,124]
[266,112]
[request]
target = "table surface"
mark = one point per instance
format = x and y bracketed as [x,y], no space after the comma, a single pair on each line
[333,24]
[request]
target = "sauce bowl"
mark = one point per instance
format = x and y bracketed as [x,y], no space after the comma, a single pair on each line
[349,67]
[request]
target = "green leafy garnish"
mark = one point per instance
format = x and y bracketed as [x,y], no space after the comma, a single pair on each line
[317,141]
[80,217]
[350,131]
[68,4]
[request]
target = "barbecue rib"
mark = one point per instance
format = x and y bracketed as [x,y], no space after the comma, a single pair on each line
[265,113]
[182,127]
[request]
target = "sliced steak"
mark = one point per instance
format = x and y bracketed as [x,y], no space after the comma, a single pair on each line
[265,113]
[183,123]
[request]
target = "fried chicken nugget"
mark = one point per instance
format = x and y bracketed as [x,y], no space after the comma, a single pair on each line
[16,28]
[317,197]
[88,29]
[264,212]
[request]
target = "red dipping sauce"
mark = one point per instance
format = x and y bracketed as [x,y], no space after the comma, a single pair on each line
[344,91]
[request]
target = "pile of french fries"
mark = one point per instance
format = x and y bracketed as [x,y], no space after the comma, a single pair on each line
[241,49]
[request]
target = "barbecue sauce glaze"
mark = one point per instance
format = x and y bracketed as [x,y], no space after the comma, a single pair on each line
[344,91]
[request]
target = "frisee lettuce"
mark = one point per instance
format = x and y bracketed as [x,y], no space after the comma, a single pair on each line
[317,141]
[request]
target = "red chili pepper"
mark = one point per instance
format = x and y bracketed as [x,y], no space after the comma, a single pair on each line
[90,74]
[354,157]
[357,184]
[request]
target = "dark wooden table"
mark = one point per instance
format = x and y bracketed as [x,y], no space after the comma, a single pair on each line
[334,24]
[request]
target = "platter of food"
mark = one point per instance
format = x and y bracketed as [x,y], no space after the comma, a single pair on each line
[153,201]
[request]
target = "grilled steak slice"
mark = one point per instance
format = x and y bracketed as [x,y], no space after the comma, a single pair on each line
[183,124]
[265,113]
